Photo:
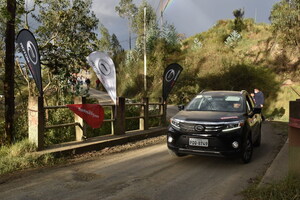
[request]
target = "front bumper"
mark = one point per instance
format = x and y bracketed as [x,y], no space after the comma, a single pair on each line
[219,144]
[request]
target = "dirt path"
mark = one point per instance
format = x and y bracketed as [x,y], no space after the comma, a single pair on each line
[144,171]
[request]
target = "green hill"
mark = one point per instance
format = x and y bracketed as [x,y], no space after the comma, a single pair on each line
[223,59]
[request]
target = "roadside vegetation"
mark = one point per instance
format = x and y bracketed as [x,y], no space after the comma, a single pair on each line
[288,188]
[20,156]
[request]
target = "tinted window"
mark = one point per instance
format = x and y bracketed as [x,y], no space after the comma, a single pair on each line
[229,103]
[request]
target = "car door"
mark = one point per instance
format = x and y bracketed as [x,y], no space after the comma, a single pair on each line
[253,118]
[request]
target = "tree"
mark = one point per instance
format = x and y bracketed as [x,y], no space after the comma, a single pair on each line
[238,21]
[10,70]
[170,34]
[115,45]
[152,33]
[285,19]
[66,36]
[127,9]
[105,43]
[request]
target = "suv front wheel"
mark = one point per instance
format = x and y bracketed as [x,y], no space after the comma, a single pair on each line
[247,151]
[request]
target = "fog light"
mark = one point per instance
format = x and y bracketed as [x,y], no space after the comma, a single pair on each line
[170,139]
[235,144]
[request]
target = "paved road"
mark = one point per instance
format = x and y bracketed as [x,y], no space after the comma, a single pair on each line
[149,173]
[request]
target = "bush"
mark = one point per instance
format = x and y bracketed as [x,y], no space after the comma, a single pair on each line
[243,77]
[62,134]
[20,156]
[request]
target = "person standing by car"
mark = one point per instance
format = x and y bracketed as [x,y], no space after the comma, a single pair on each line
[259,100]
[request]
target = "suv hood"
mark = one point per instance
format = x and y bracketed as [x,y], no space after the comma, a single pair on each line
[208,116]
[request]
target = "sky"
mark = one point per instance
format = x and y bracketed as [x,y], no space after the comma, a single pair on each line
[188,16]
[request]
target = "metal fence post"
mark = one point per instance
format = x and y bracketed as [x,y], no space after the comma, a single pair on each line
[80,131]
[36,120]
[119,113]
[144,121]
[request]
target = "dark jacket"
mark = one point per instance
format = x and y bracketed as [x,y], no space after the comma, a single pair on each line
[259,99]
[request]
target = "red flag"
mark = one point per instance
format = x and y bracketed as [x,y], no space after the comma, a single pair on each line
[93,114]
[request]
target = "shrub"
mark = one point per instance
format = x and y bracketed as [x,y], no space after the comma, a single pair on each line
[20,156]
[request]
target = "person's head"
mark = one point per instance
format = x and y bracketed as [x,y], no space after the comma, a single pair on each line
[256,90]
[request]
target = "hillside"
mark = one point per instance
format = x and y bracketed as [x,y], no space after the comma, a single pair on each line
[251,59]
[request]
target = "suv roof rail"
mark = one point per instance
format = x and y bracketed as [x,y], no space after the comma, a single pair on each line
[202,91]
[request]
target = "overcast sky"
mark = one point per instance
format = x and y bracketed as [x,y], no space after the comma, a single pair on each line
[189,16]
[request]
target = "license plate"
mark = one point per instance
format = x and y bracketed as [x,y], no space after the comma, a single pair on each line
[198,142]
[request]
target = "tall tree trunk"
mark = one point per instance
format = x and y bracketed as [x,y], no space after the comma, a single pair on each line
[10,70]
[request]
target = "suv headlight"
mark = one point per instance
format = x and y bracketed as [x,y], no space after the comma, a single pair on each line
[233,126]
[175,123]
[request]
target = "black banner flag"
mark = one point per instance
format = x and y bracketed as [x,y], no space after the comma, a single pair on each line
[171,75]
[30,51]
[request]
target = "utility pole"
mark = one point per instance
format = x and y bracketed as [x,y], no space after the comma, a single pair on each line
[161,14]
[145,53]
[255,15]
[129,29]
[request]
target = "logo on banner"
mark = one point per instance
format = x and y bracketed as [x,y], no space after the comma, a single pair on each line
[170,75]
[92,114]
[104,68]
[32,52]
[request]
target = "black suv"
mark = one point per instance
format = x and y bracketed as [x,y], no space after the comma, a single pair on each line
[216,123]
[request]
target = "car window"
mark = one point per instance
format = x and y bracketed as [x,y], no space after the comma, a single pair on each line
[227,103]
[249,103]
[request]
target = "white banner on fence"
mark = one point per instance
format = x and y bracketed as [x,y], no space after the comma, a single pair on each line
[105,70]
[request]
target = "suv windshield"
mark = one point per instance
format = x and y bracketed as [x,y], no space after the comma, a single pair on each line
[224,103]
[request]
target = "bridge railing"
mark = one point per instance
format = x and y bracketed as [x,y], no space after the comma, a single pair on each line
[118,119]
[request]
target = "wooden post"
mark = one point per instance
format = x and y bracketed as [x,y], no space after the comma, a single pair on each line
[144,121]
[80,131]
[163,111]
[294,138]
[119,124]
[36,120]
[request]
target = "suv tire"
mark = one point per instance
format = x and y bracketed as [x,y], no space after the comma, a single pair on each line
[247,151]
[258,140]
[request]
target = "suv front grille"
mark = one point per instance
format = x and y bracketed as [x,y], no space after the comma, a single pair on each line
[199,127]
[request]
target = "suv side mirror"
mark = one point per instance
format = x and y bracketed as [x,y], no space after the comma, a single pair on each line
[180,107]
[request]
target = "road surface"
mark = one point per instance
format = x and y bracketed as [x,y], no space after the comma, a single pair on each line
[147,173]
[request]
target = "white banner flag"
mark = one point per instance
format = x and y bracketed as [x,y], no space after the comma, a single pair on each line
[105,70]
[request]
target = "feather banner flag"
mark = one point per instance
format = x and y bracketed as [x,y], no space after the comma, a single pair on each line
[105,70]
[92,114]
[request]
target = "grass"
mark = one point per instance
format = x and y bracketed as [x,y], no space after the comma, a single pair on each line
[288,188]
[278,109]
[20,156]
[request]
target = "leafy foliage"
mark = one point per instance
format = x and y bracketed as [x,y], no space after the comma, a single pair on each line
[105,43]
[286,22]
[238,21]
[233,39]
[126,9]
[20,156]
[66,35]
